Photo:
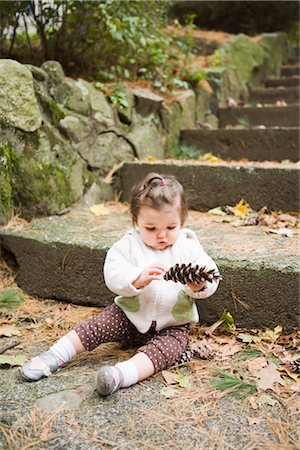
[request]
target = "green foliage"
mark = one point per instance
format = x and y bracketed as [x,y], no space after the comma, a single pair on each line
[228,321]
[192,75]
[104,40]
[186,152]
[224,381]
[7,162]
[11,298]
[118,98]
[248,353]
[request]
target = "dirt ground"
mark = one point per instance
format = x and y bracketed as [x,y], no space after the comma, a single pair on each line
[231,395]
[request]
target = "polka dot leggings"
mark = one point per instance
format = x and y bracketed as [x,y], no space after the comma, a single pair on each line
[162,347]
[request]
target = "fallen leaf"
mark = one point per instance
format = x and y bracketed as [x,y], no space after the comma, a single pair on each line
[168,392]
[293,375]
[248,338]
[169,377]
[12,360]
[211,158]
[256,364]
[99,210]
[213,327]
[268,376]
[182,381]
[229,349]
[242,209]
[218,211]
[270,335]
[9,330]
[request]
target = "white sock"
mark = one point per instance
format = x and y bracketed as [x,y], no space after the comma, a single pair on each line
[64,350]
[129,372]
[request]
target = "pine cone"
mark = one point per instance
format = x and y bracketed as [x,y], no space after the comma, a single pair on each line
[200,351]
[188,274]
[295,365]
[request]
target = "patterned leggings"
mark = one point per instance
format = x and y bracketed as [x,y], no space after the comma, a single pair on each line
[162,347]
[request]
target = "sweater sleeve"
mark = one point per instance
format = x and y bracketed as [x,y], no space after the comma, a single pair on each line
[119,272]
[196,255]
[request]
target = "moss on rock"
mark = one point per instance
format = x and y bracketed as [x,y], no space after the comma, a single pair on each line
[7,161]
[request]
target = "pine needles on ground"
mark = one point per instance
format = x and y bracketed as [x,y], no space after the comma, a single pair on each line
[225,381]
[11,298]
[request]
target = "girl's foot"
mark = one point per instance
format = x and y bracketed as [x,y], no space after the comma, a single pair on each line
[40,366]
[108,380]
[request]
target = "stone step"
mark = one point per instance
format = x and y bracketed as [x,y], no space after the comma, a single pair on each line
[283,81]
[272,95]
[208,185]
[275,144]
[270,116]
[290,70]
[62,258]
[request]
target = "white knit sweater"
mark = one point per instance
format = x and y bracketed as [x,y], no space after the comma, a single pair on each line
[165,302]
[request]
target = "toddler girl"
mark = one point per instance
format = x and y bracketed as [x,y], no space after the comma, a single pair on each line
[148,312]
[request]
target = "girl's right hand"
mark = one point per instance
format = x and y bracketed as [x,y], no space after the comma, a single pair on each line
[153,272]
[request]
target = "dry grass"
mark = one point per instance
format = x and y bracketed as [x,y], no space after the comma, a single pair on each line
[30,431]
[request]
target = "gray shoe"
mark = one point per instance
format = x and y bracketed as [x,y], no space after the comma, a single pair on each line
[40,366]
[105,382]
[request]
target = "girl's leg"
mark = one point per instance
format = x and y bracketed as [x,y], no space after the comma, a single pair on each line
[161,351]
[109,326]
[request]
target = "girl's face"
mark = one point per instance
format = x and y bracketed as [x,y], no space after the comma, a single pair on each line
[159,228]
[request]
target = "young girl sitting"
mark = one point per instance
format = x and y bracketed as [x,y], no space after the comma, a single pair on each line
[149,312]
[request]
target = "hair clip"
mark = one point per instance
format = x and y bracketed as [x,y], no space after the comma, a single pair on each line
[163,182]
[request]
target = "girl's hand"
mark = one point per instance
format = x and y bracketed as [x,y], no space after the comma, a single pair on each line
[197,287]
[150,273]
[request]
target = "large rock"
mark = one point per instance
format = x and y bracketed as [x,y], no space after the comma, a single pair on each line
[18,104]
[146,136]
[105,150]
[171,120]
[47,175]
[226,84]
[276,52]
[244,54]
[102,111]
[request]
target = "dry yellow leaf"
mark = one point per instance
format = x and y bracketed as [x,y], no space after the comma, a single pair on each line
[211,158]
[99,210]
[242,209]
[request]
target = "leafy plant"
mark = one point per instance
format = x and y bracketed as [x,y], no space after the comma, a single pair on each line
[224,381]
[118,98]
[11,298]
[186,152]
[192,75]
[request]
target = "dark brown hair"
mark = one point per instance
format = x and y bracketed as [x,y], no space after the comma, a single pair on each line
[156,191]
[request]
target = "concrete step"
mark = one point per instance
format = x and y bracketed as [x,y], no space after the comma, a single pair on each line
[290,70]
[275,144]
[272,95]
[62,258]
[208,185]
[283,81]
[270,116]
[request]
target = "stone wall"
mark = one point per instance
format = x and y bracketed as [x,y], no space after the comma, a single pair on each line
[61,138]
